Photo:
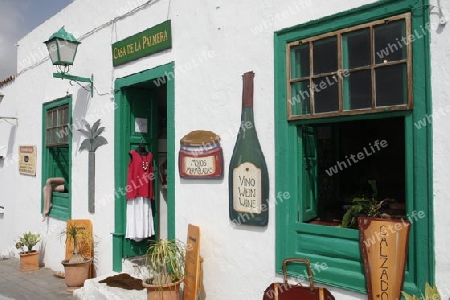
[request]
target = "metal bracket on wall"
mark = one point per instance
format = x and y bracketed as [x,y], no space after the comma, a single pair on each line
[77,79]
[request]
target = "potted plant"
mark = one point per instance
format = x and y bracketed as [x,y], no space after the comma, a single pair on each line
[165,260]
[364,207]
[77,268]
[29,258]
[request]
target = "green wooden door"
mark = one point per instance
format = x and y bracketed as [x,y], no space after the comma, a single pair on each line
[142,127]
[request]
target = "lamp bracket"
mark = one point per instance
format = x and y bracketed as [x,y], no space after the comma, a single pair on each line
[76,78]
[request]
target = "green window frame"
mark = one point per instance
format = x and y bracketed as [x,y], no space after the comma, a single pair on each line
[56,154]
[338,247]
[352,66]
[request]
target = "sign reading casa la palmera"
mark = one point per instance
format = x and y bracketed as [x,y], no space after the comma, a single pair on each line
[27,160]
[149,41]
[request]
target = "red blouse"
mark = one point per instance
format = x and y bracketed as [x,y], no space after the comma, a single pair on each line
[140,176]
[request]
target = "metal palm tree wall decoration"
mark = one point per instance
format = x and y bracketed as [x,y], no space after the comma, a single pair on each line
[93,141]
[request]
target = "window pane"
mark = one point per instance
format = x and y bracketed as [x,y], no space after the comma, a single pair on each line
[300,61]
[54,117]
[65,136]
[49,119]
[326,94]
[54,136]
[325,55]
[390,42]
[300,98]
[60,117]
[63,116]
[66,115]
[391,85]
[48,137]
[58,134]
[358,87]
[356,49]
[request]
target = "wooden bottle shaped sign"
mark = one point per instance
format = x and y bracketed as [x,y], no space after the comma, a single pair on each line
[248,176]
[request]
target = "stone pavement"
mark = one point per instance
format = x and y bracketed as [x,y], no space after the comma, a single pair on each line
[33,285]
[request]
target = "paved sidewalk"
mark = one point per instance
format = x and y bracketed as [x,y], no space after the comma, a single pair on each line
[33,285]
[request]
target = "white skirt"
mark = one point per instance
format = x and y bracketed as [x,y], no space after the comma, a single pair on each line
[139,219]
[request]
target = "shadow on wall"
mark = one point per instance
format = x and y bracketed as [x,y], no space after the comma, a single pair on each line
[80,108]
[11,140]
[10,145]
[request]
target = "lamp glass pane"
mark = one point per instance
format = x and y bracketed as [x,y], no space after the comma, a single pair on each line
[52,48]
[67,51]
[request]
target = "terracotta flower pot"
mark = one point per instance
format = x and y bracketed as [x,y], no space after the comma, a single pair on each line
[384,247]
[29,261]
[169,291]
[76,273]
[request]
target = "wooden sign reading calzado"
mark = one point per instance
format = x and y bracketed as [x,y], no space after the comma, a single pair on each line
[144,43]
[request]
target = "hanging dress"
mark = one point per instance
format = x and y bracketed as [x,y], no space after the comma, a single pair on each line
[139,193]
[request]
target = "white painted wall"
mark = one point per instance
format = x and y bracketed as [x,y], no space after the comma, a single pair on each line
[214,43]
[8,166]
[440,62]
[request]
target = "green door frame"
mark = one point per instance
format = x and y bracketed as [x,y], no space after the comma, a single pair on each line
[159,75]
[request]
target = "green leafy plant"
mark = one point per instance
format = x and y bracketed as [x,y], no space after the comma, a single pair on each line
[368,207]
[365,206]
[165,259]
[28,240]
[431,293]
[81,241]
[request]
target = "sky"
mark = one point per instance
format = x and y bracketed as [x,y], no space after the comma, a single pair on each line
[17,19]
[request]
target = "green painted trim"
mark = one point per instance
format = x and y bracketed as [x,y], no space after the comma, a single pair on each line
[167,71]
[418,152]
[171,155]
[363,14]
[45,155]
[77,78]
[119,214]
[431,263]
[380,115]
[72,77]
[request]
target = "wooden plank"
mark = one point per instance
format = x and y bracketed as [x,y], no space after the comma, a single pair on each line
[192,264]
[86,250]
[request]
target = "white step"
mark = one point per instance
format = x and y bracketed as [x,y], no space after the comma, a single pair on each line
[100,291]
[92,289]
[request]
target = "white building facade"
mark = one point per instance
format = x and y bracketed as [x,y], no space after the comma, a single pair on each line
[196,84]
